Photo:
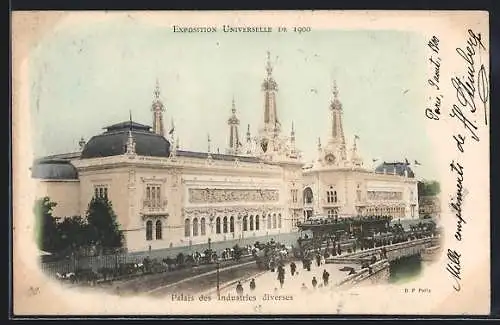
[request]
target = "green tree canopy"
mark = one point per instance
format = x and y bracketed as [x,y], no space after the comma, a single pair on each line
[46,233]
[103,229]
[429,188]
[74,233]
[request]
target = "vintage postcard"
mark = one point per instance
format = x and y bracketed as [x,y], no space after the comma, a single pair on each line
[258,163]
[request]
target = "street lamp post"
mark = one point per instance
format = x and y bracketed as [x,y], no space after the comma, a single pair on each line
[218,280]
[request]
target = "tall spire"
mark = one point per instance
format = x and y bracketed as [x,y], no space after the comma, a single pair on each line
[130,140]
[234,137]
[157,109]
[293,149]
[209,144]
[248,133]
[249,141]
[336,142]
[270,87]
[269,67]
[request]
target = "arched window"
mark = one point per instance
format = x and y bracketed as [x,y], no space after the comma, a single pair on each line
[329,195]
[158,229]
[279,220]
[195,227]
[231,224]
[149,230]
[217,225]
[187,228]
[245,223]
[256,222]
[251,222]
[308,195]
[334,196]
[269,221]
[274,220]
[225,225]
[203,227]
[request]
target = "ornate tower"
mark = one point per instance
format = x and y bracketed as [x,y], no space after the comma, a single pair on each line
[234,138]
[272,127]
[158,109]
[335,150]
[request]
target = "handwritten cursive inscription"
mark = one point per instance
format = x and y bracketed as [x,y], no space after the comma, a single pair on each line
[453,267]
[435,60]
[456,202]
[467,86]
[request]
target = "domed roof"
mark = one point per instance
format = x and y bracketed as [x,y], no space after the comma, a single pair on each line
[113,142]
[53,169]
[398,168]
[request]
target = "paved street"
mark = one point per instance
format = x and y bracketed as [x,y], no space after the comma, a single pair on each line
[267,282]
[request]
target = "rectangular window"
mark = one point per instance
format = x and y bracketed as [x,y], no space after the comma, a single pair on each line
[295,195]
[101,191]
[153,196]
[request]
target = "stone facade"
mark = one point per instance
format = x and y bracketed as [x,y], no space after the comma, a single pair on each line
[165,197]
[338,185]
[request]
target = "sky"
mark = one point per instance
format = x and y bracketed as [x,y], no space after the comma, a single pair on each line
[90,76]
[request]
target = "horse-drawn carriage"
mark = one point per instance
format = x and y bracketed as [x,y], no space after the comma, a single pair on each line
[270,256]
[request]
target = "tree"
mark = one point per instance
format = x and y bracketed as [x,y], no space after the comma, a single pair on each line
[46,233]
[74,233]
[103,229]
[428,188]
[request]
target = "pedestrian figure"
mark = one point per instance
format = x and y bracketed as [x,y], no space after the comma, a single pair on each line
[239,289]
[309,262]
[326,276]
[339,250]
[304,288]
[293,267]
[314,282]
[318,259]
[252,284]
[281,276]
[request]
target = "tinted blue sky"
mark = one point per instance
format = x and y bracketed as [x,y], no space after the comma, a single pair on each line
[88,77]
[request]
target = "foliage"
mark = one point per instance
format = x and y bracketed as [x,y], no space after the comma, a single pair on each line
[46,232]
[180,259]
[103,229]
[428,188]
[237,252]
[73,232]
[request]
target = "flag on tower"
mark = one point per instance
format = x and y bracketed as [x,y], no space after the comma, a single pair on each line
[356,137]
